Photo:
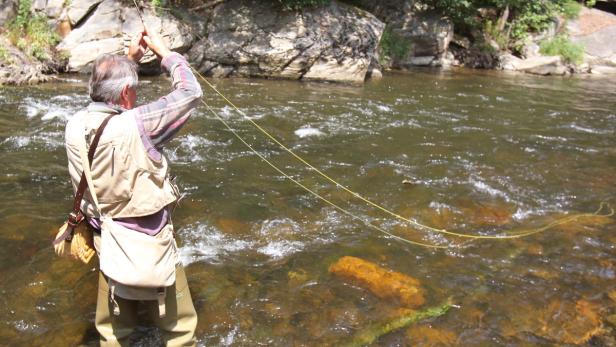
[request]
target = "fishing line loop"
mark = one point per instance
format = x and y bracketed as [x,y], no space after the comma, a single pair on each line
[514,234]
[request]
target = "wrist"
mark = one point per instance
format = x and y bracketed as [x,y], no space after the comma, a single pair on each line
[164,53]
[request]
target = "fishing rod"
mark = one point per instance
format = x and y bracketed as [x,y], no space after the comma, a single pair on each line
[139,13]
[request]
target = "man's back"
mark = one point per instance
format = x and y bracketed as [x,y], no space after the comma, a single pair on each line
[131,183]
[128,182]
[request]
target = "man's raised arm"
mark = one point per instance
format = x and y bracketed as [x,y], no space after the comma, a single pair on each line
[162,119]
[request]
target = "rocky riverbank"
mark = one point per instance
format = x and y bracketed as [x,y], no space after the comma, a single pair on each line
[333,42]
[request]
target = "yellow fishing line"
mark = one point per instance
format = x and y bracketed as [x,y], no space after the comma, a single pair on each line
[513,234]
[312,191]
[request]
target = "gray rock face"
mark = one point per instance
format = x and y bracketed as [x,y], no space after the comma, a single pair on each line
[429,35]
[17,68]
[255,38]
[538,65]
[8,10]
[107,27]
[596,30]
[551,65]
[509,62]
[78,9]
[50,8]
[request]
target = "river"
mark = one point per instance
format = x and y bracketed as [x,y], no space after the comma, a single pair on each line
[470,151]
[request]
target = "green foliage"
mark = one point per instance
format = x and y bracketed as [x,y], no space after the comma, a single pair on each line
[562,46]
[23,13]
[534,16]
[590,3]
[370,334]
[393,45]
[498,36]
[571,9]
[31,33]
[42,38]
[4,55]
[156,4]
[297,5]
[472,16]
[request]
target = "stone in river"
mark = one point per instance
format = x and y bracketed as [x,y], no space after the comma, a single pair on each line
[550,65]
[424,335]
[232,226]
[297,278]
[612,295]
[564,322]
[384,283]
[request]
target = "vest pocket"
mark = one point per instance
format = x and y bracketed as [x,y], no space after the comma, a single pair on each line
[110,174]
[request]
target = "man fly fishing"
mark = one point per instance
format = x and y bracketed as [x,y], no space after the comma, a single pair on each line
[131,194]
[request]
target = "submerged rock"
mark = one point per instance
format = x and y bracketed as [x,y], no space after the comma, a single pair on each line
[561,322]
[425,335]
[232,226]
[381,282]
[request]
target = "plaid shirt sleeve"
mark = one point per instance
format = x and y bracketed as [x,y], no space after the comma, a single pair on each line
[160,120]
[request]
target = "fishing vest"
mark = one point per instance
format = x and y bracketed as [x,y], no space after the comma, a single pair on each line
[128,182]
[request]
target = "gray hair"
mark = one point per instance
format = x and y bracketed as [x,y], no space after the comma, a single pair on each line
[110,74]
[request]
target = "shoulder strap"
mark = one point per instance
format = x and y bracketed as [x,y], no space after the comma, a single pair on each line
[75,217]
[86,164]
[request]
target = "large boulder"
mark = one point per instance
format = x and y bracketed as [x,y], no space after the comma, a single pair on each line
[17,68]
[429,35]
[543,65]
[509,62]
[107,27]
[253,38]
[50,8]
[596,30]
[425,33]
[79,9]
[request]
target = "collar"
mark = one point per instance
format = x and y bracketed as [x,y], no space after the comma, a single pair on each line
[102,107]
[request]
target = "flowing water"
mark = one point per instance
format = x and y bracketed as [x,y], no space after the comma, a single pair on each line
[468,151]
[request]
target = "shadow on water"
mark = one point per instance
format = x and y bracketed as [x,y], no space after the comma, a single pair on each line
[470,151]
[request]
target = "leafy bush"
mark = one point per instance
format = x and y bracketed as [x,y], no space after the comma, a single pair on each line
[297,5]
[498,36]
[23,13]
[571,9]
[472,16]
[393,45]
[31,33]
[562,46]
[156,4]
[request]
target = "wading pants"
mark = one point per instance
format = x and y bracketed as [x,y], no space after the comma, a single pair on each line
[178,326]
